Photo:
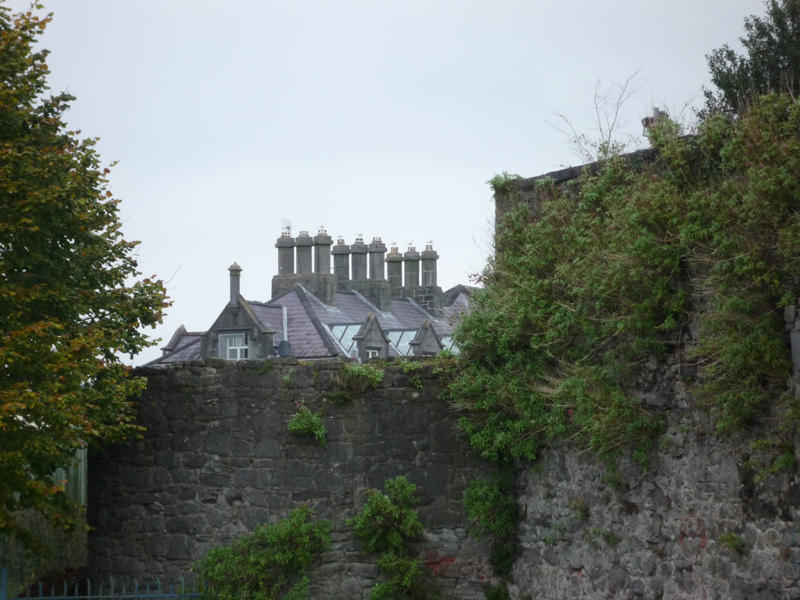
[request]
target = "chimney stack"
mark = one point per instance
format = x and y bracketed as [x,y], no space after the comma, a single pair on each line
[235,272]
[285,246]
[429,258]
[359,251]
[394,268]
[322,251]
[411,259]
[303,243]
[377,250]
[341,263]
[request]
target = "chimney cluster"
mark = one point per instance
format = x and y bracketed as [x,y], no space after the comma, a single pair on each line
[306,261]
[321,244]
[357,267]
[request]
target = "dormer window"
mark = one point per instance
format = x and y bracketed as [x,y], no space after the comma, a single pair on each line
[233,346]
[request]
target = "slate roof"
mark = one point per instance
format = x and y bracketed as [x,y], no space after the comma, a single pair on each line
[187,348]
[271,316]
[309,321]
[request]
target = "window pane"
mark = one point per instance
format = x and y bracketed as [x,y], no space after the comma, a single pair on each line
[347,337]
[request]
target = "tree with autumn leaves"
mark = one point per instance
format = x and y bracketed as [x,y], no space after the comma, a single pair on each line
[68,309]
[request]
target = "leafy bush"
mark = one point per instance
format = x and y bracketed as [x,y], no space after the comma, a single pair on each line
[600,279]
[259,566]
[354,378]
[389,518]
[307,422]
[412,370]
[386,523]
[492,508]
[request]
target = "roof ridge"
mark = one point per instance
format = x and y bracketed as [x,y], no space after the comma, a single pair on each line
[370,304]
[312,316]
[158,360]
[422,310]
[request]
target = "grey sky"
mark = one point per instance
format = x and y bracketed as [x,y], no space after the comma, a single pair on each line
[378,117]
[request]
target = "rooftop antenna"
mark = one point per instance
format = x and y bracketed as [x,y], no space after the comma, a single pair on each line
[286,228]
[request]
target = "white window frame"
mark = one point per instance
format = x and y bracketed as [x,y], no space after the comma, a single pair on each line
[372,353]
[233,351]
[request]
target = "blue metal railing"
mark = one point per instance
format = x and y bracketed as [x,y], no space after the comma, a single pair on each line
[82,590]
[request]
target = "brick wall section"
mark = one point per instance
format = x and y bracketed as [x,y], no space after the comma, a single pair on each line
[216,460]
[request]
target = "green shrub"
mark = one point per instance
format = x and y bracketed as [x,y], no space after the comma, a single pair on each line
[389,518]
[492,508]
[260,565]
[412,370]
[355,378]
[307,422]
[386,523]
[597,281]
[286,380]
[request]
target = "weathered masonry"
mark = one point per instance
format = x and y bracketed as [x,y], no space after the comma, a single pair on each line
[216,460]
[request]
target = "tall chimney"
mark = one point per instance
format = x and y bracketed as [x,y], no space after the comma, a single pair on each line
[322,251]
[303,243]
[285,246]
[341,263]
[359,251]
[394,268]
[429,258]
[377,250]
[235,271]
[411,259]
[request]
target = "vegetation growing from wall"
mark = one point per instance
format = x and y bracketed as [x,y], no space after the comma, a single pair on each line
[355,378]
[387,522]
[604,279]
[307,422]
[260,566]
[412,370]
[492,508]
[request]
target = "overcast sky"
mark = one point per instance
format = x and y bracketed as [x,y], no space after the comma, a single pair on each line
[380,117]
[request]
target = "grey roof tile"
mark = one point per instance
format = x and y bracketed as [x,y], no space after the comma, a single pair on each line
[309,321]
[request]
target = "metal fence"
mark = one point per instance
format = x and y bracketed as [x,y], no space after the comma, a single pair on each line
[84,589]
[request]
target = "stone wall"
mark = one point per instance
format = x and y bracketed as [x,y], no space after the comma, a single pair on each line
[216,460]
[660,534]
